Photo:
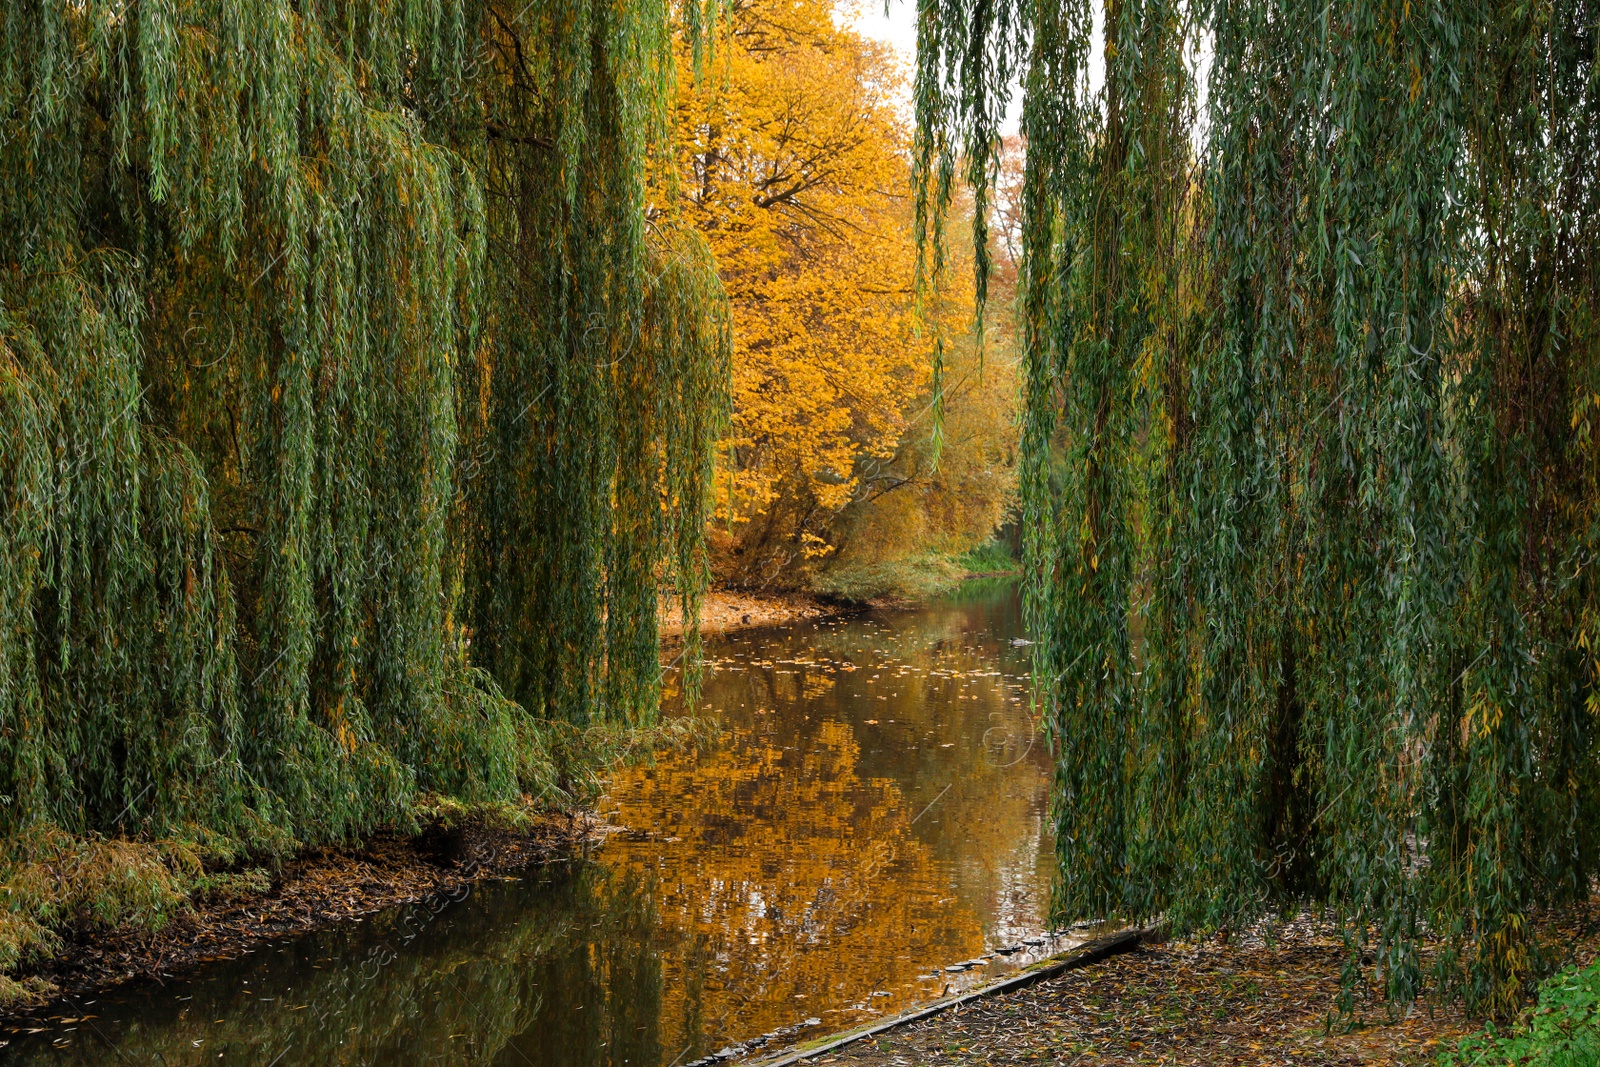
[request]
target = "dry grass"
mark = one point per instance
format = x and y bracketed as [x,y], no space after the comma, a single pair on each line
[57,884]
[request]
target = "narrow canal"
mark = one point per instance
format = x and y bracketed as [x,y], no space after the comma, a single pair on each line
[873,815]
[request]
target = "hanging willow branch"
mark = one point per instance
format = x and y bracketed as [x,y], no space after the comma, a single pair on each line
[349,417]
[1310,479]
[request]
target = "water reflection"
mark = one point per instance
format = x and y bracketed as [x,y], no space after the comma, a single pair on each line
[873,814]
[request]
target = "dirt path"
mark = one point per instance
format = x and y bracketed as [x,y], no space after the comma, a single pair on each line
[1248,1002]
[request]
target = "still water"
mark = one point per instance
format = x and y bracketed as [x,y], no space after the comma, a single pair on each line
[873,814]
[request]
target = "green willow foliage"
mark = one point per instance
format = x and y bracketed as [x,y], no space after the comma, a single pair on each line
[1312,487]
[352,412]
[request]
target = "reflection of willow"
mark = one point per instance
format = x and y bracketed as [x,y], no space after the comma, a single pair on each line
[570,981]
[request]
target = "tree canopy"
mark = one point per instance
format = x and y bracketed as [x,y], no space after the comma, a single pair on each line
[352,410]
[1309,302]
[794,164]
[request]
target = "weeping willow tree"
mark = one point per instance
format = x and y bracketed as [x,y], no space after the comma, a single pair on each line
[1311,498]
[353,407]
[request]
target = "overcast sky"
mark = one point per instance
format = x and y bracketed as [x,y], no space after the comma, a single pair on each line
[898,29]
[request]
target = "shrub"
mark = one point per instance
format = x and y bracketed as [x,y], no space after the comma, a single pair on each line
[1561,1030]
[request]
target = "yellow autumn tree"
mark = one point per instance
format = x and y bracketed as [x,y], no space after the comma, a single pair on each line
[943,493]
[794,163]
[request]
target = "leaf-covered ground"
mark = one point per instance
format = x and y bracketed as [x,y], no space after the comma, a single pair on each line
[1254,1000]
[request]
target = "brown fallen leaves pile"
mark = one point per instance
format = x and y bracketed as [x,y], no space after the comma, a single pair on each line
[1256,999]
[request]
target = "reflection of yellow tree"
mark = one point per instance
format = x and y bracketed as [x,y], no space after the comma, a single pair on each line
[797,873]
[795,876]
[941,688]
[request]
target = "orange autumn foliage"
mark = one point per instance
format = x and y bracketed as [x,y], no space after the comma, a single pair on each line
[794,162]
[794,166]
[935,499]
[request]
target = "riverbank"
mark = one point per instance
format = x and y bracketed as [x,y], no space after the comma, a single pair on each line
[314,889]
[726,610]
[1266,997]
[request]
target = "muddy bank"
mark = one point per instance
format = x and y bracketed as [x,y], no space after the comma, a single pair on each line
[315,889]
[725,610]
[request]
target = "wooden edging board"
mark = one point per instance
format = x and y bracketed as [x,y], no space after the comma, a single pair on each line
[1082,956]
